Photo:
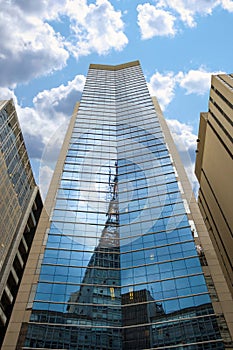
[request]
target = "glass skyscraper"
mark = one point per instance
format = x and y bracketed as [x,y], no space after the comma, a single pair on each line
[20,208]
[118,266]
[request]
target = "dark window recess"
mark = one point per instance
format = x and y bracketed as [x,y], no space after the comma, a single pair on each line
[201,255]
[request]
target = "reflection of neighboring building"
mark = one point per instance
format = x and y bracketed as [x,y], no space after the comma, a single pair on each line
[139,308]
[176,327]
[20,207]
[168,329]
[98,300]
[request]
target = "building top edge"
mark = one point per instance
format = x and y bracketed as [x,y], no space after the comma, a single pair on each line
[3,103]
[116,67]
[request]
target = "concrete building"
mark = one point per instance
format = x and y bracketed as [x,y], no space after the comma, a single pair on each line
[121,257]
[20,208]
[214,170]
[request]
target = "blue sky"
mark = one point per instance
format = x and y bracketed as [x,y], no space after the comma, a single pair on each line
[46,47]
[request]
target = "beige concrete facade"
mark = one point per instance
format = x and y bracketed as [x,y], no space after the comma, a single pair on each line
[117,67]
[216,282]
[23,305]
[214,170]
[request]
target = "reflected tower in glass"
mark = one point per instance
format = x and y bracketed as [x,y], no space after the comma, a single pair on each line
[117,264]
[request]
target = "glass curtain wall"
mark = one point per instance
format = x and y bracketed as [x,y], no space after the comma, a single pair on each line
[120,269]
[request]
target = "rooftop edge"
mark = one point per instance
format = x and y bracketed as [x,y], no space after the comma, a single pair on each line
[115,67]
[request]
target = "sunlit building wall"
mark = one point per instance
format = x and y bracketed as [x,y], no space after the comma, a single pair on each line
[214,170]
[117,262]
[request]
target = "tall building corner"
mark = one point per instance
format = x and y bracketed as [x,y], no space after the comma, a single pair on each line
[214,171]
[20,208]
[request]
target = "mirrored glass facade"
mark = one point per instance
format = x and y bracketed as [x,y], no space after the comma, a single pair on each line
[120,268]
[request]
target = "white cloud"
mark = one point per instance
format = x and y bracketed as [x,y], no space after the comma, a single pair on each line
[49,157]
[185,142]
[60,99]
[94,28]
[47,9]
[52,108]
[188,9]
[45,176]
[155,22]
[44,125]
[159,19]
[227,5]
[183,132]
[7,94]
[162,86]
[29,47]
[195,81]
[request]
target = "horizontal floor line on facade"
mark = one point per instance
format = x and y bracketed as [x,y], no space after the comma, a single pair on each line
[93,326]
[94,130]
[119,98]
[139,235]
[115,115]
[122,306]
[66,181]
[69,183]
[223,98]
[193,316]
[135,236]
[119,269]
[119,167]
[115,119]
[77,325]
[220,139]
[220,125]
[210,217]
[117,105]
[151,126]
[120,122]
[165,176]
[173,188]
[120,213]
[64,197]
[215,105]
[109,252]
[113,139]
[109,142]
[187,345]
[125,107]
[224,82]
[148,148]
[86,133]
[131,224]
[108,148]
